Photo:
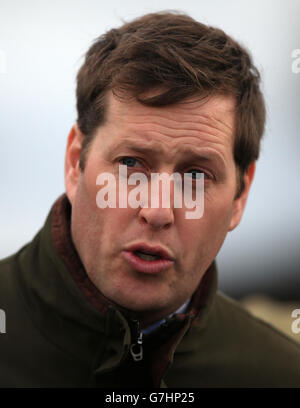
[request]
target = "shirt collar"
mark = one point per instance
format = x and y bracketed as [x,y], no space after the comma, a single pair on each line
[153,326]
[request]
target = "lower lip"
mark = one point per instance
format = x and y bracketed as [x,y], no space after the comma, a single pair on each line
[151,267]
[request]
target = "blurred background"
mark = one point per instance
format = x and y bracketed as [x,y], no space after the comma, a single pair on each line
[42,44]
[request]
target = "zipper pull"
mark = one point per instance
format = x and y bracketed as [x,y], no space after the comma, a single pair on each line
[136,348]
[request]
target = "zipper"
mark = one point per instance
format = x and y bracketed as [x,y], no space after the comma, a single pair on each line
[136,347]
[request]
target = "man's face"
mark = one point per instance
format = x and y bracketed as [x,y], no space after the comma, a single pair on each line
[172,135]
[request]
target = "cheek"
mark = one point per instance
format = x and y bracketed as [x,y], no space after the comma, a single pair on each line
[205,236]
[89,178]
[219,201]
[113,218]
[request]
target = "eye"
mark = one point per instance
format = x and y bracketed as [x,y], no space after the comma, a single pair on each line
[194,173]
[129,161]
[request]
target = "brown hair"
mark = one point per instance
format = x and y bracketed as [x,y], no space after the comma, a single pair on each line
[173,52]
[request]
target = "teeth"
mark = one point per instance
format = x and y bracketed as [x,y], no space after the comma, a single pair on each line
[147,257]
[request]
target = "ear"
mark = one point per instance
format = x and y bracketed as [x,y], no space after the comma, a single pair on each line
[240,202]
[72,169]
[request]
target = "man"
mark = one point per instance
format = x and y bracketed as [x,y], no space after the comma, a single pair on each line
[125,295]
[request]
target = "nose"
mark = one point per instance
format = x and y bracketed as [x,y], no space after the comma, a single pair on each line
[160,217]
[157,218]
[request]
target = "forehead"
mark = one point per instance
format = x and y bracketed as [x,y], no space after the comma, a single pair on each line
[193,124]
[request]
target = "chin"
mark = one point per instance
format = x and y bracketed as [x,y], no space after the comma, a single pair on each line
[139,305]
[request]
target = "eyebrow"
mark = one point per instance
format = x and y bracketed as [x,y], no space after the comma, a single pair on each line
[206,156]
[138,148]
[191,155]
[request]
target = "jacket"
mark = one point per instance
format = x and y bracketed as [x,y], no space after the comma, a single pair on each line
[61,331]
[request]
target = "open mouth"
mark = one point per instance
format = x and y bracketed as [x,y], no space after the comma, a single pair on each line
[145,262]
[147,257]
